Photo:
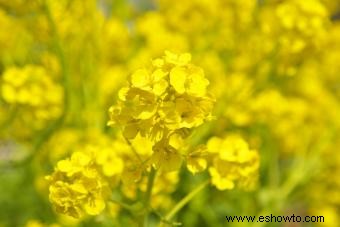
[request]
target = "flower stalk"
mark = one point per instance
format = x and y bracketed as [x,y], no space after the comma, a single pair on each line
[148,193]
[183,202]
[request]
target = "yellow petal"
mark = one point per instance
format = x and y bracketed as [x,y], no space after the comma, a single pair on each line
[196,165]
[176,141]
[158,62]
[198,83]
[64,166]
[140,78]
[214,145]
[114,166]
[221,183]
[123,93]
[184,58]
[8,93]
[95,206]
[178,76]
[80,158]
[78,188]
[160,87]
[158,74]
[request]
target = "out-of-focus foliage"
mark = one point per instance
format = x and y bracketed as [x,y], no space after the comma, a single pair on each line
[112,111]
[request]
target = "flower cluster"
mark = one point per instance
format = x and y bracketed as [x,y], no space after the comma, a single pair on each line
[233,162]
[77,186]
[81,184]
[32,89]
[300,28]
[271,64]
[163,102]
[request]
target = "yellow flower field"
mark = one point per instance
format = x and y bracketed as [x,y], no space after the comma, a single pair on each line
[167,113]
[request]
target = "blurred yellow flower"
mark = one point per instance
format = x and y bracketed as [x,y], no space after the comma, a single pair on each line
[233,163]
[31,88]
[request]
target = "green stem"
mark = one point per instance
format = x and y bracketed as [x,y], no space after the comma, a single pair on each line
[148,194]
[123,205]
[184,201]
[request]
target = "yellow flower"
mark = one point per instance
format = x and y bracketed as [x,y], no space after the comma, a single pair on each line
[167,96]
[165,99]
[233,163]
[189,79]
[110,162]
[77,187]
[156,82]
[33,90]
[74,165]
[197,160]
[165,156]
[222,182]
[177,59]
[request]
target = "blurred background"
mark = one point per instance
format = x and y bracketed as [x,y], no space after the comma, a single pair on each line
[273,66]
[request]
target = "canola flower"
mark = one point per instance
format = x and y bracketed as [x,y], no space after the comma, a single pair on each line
[271,67]
[157,111]
[81,184]
[27,88]
[77,187]
[233,162]
[33,97]
[163,102]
